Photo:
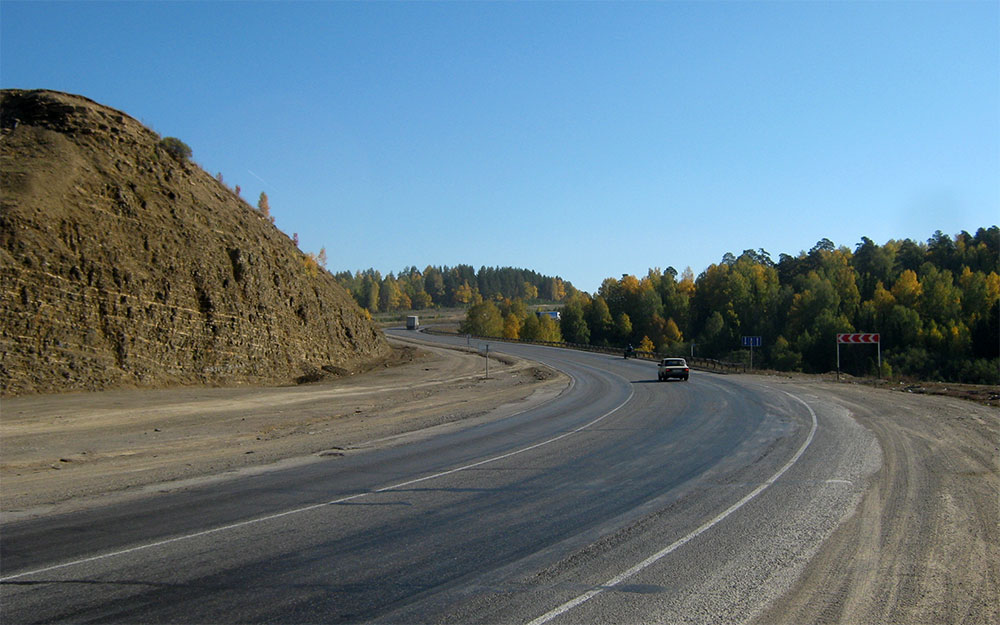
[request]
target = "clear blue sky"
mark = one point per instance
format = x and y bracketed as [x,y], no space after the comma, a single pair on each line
[584,140]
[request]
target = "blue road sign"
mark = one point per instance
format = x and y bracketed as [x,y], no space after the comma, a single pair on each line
[751,341]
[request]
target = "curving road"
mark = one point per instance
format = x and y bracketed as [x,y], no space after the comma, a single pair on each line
[623,500]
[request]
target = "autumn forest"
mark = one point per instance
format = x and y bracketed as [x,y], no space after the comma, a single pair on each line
[936,305]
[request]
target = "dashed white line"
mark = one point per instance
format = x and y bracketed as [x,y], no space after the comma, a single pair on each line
[286,513]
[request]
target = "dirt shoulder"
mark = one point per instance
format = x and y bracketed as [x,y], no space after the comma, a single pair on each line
[924,545]
[66,451]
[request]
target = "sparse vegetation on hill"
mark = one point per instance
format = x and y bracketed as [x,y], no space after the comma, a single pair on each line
[176,148]
[122,266]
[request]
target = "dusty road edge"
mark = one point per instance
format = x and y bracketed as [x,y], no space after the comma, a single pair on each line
[546,391]
[923,544]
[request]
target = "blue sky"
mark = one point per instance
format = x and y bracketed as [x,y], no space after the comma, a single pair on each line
[584,140]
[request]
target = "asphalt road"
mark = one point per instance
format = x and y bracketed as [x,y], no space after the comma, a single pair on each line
[624,500]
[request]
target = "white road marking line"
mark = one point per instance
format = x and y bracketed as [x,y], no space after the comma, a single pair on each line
[279,515]
[621,577]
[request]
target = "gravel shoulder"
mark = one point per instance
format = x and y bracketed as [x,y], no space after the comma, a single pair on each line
[924,544]
[68,451]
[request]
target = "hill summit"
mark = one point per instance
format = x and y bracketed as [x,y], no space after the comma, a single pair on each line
[125,265]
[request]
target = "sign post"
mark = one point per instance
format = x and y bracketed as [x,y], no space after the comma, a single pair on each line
[858,338]
[751,342]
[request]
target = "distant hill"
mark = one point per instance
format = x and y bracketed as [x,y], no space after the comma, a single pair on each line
[123,264]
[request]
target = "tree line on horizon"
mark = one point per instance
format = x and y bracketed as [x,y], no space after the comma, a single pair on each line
[443,286]
[936,306]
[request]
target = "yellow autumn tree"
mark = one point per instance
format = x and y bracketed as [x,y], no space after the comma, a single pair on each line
[883,299]
[548,329]
[463,294]
[907,289]
[511,326]
[687,284]
[310,264]
[529,291]
[672,332]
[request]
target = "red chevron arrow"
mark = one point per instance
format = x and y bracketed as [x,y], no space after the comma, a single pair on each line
[858,337]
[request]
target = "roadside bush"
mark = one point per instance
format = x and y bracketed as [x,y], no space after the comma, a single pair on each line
[176,148]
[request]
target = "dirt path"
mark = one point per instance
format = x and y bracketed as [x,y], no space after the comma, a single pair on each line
[924,545]
[71,450]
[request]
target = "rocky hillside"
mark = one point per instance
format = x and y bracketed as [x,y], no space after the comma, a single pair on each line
[124,266]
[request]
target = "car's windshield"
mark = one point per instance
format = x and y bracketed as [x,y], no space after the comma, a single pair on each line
[673,363]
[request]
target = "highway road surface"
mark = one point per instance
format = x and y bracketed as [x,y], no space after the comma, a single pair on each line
[623,500]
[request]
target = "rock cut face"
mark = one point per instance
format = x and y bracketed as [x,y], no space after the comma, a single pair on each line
[123,265]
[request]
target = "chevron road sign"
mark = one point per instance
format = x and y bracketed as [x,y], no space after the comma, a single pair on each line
[859,337]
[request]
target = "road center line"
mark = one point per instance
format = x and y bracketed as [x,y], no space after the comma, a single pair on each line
[621,577]
[316,506]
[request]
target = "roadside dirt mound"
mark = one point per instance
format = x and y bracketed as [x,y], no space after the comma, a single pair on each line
[123,266]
